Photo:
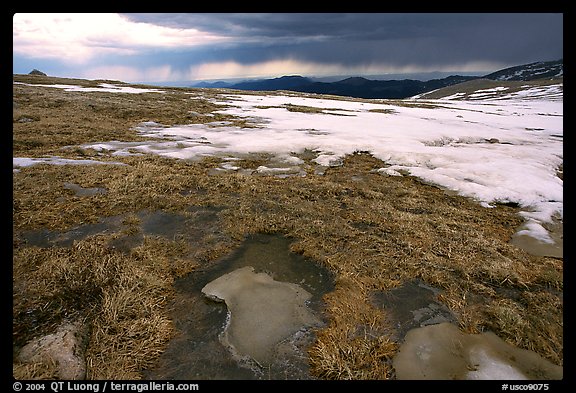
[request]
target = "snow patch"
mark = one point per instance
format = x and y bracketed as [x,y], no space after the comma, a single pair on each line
[445,144]
[19,162]
[102,87]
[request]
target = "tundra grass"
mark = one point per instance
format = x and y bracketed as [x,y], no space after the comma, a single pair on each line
[46,119]
[373,232]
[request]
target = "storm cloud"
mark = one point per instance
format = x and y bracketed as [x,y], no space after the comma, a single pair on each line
[396,39]
[188,45]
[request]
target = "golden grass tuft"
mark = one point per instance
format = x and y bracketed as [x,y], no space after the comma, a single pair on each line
[355,345]
[122,298]
[46,370]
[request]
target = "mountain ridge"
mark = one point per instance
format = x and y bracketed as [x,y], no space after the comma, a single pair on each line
[360,87]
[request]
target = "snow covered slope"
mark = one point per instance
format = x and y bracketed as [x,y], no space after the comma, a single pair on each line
[532,71]
[486,89]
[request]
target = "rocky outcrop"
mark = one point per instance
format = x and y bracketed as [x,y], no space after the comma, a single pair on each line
[65,347]
[36,72]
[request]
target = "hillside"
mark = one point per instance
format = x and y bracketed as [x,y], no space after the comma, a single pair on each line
[528,72]
[382,215]
[484,89]
[365,88]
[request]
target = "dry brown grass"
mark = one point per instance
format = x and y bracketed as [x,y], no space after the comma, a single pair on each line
[72,118]
[356,343]
[121,297]
[373,232]
[46,370]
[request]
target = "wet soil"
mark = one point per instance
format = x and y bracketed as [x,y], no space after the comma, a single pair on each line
[411,305]
[189,227]
[196,352]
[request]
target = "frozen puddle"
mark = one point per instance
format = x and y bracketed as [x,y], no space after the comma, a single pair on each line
[443,352]
[262,329]
[551,244]
[434,348]
[82,191]
[263,312]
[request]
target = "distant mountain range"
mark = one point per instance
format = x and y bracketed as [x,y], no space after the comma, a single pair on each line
[395,89]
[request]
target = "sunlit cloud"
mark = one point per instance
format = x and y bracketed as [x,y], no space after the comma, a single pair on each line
[268,69]
[232,69]
[79,38]
[273,68]
[163,73]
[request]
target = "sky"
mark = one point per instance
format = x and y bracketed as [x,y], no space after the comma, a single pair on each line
[171,47]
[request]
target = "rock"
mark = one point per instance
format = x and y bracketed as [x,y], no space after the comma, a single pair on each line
[66,347]
[36,72]
[83,192]
[443,352]
[388,172]
[262,312]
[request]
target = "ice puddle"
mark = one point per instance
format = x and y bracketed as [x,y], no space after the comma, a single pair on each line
[249,316]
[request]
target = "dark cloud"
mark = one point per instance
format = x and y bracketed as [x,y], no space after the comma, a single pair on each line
[378,42]
[395,39]
[360,26]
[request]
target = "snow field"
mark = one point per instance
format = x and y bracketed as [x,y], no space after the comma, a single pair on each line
[490,150]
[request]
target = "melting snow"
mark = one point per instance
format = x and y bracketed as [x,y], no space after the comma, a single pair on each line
[448,146]
[18,162]
[102,87]
[490,150]
[493,151]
